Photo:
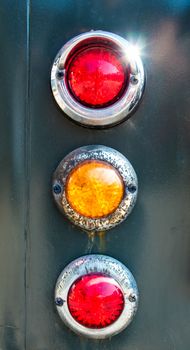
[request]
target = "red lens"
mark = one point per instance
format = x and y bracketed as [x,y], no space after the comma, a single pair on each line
[95,300]
[97,77]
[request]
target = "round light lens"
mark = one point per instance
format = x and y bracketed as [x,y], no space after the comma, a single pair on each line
[97,76]
[95,300]
[94,189]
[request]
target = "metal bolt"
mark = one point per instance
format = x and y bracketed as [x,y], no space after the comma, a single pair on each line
[59,301]
[132,188]
[134,80]
[57,189]
[60,73]
[132,298]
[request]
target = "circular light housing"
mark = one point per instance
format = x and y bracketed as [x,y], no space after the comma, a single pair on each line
[96,296]
[95,187]
[97,79]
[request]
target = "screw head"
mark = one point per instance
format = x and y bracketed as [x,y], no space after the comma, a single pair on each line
[59,301]
[57,189]
[132,188]
[134,80]
[132,298]
[60,74]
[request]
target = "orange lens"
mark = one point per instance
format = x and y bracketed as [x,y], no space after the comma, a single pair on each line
[94,189]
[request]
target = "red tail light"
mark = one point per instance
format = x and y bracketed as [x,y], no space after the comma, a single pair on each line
[96,296]
[97,76]
[97,79]
[95,300]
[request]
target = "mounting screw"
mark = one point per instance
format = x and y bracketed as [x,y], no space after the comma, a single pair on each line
[134,80]
[132,298]
[60,73]
[59,301]
[57,189]
[132,188]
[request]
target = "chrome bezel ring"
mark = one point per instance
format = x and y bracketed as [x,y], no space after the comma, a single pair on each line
[110,267]
[119,162]
[99,117]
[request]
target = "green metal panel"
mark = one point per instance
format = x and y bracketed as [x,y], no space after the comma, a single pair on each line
[154,242]
[13,99]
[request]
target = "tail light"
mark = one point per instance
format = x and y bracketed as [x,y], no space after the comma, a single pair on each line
[96,296]
[97,79]
[95,187]
[95,300]
[97,76]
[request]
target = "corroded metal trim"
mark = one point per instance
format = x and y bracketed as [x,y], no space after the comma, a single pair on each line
[110,267]
[112,157]
[100,117]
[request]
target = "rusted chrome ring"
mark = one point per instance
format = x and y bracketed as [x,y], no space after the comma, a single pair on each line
[119,162]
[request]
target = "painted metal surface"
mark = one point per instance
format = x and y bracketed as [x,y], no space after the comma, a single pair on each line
[36,242]
[13,202]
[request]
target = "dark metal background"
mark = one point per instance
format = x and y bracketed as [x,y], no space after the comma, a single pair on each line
[36,241]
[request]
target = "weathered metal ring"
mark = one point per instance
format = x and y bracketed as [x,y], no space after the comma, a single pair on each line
[119,162]
[110,267]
